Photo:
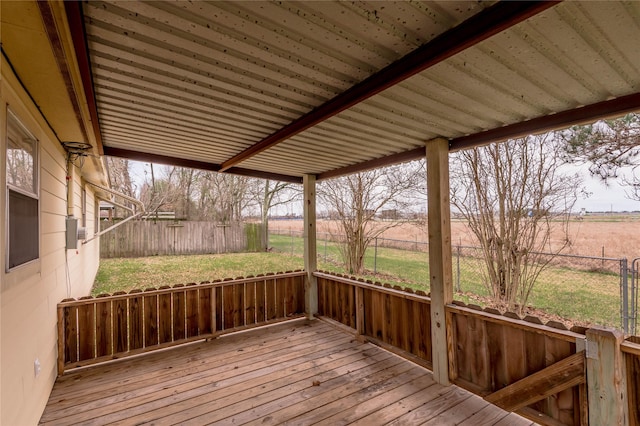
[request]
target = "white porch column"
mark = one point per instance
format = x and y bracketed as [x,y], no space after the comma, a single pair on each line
[310,248]
[440,272]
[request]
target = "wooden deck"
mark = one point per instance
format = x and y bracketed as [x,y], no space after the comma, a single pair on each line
[297,372]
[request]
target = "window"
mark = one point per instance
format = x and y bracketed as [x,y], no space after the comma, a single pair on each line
[22,194]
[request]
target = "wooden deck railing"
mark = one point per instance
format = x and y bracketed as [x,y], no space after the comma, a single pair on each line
[496,356]
[397,319]
[522,365]
[93,330]
[631,350]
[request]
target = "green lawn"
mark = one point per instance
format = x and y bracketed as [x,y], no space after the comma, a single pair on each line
[147,272]
[582,296]
[586,297]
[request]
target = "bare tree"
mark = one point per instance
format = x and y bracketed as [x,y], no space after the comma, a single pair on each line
[230,195]
[356,200]
[269,194]
[175,188]
[608,146]
[219,197]
[120,179]
[185,181]
[120,176]
[201,195]
[157,193]
[512,195]
[204,203]
[196,194]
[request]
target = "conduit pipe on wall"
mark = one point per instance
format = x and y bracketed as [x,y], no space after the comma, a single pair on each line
[135,212]
[70,173]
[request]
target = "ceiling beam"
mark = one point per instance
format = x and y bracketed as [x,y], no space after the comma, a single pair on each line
[401,157]
[573,117]
[195,164]
[479,27]
[75,18]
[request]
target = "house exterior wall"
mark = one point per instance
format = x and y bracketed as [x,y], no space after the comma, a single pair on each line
[29,293]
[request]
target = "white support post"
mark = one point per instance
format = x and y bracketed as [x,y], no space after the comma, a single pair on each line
[606,382]
[310,248]
[440,272]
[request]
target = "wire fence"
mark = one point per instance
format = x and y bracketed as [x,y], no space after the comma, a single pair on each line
[582,289]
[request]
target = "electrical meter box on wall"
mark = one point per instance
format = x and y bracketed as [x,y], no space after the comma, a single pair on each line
[72,233]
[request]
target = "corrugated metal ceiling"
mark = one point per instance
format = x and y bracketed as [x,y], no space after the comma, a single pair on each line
[205,81]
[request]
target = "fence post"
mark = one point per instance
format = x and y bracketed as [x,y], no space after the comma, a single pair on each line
[624,291]
[61,340]
[634,296]
[359,310]
[606,382]
[325,248]
[375,256]
[458,289]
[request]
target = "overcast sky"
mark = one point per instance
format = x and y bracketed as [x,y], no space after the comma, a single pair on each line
[603,199]
[606,198]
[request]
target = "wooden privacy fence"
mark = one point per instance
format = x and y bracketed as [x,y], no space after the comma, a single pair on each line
[152,238]
[521,365]
[93,330]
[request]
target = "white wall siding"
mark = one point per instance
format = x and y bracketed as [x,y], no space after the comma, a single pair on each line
[29,293]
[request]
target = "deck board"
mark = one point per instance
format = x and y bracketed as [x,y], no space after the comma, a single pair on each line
[298,372]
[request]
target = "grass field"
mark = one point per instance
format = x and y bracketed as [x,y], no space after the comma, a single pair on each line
[147,272]
[577,297]
[616,235]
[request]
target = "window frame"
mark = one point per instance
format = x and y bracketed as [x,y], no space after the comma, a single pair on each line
[14,119]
